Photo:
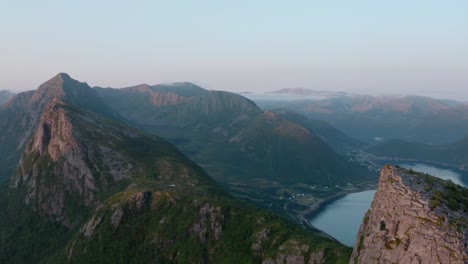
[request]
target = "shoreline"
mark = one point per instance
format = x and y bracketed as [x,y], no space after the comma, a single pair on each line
[315,208]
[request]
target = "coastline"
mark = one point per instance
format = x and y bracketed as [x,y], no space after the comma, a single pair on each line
[315,208]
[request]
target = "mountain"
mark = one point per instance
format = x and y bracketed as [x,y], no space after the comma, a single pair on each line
[19,117]
[335,138]
[373,118]
[455,154]
[230,137]
[179,105]
[91,189]
[414,218]
[5,96]
[306,92]
[397,148]
[283,147]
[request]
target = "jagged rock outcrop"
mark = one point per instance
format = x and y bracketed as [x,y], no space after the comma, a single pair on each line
[171,227]
[60,164]
[20,116]
[414,218]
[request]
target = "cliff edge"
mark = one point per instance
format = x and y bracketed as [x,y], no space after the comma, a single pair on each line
[414,218]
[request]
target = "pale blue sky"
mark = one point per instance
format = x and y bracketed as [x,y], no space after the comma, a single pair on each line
[374,46]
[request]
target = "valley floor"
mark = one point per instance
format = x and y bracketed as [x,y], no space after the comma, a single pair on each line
[298,202]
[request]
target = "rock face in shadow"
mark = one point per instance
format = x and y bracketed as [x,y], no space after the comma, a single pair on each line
[5,95]
[414,218]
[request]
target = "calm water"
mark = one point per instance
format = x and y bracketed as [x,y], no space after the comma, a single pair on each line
[445,174]
[343,217]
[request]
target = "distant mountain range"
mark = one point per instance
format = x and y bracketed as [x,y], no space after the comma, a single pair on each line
[374,118]
[91,188]
[454,154]
[292,94]
[306,92]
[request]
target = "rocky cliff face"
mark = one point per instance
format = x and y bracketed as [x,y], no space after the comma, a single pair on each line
[414,218]
[61,165]
[19,117]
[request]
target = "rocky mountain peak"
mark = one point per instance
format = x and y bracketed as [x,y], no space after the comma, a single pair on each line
[64,76]
[414,218]
[72,91]
[183,89]
[20,116]
[57,86]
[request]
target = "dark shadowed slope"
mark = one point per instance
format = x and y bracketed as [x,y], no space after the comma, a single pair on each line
[5,95]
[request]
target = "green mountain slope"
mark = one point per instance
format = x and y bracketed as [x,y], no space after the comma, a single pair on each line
[90,189]
[338,140]
[288,152]
[229,136]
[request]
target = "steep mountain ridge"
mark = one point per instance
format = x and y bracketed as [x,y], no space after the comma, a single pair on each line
[85,180]
[75,92]
[20,116]
[220,131]
[180,105]
[414,218]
